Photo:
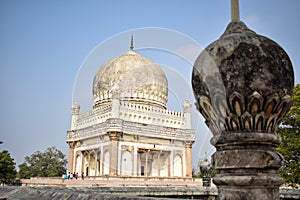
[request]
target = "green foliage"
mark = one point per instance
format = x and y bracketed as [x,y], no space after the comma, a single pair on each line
[7,168]
[196,173]
[289,132]
[50,163]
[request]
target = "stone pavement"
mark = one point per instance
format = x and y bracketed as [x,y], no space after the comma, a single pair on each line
[119,193]
[99,193]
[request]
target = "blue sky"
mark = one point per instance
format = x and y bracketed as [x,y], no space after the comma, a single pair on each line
[44,43]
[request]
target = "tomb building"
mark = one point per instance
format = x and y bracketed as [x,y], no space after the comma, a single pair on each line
[129,131]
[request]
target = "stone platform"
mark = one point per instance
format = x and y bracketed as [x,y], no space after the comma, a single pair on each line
[111,181]
[118,188]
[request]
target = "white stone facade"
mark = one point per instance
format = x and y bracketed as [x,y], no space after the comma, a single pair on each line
[124,136]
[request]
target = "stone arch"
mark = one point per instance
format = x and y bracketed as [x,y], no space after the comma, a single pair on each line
[86,164]
[98,163]
[177,165]
[78,163]
[164,164]
[92,164]
[126,163]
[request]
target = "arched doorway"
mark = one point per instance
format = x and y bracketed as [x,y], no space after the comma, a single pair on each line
[177,166]
[78,163]
[126,163]
[106,163]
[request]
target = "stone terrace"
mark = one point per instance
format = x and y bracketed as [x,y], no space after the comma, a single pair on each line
[113,182]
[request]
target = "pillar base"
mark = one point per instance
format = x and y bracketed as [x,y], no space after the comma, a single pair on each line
[248,193]
[250,187]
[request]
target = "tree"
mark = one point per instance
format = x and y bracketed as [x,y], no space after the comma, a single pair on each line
[289,131]
[7,167]
[50,163]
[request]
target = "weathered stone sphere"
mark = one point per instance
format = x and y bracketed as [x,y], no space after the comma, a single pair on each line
[243,81]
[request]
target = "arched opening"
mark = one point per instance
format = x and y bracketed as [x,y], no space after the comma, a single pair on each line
[177,165]
[92,165]
[98,173]
[164,165]
[126,163]
[106,163]
[78,164]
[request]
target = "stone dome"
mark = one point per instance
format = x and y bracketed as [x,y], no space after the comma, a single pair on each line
[132,78]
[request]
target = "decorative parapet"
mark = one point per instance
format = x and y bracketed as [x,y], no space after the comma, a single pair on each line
[151,115]
[139,113]
[131,128]
[93,117]
[158,131]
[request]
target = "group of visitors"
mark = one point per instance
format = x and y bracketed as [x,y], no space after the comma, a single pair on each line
[73,176]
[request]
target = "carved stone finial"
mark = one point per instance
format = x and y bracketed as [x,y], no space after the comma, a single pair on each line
[131,43]
[243,84]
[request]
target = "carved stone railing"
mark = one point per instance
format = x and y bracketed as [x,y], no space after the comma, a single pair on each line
[131,128]
[151,115]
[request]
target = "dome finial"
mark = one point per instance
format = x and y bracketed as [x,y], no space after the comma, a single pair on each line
[235,12]
[131,43]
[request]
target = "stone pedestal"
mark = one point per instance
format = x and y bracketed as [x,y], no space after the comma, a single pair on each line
[247,165]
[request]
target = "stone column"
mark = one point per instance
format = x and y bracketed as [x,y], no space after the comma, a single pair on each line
[101,161]
[82,163]
[172,163]
[114,139]
[188,157]
[95,162]
[71,157]
[135,164]
[146,163]
[89,164]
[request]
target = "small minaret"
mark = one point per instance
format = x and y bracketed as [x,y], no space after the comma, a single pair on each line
[187,109]
[75,114]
